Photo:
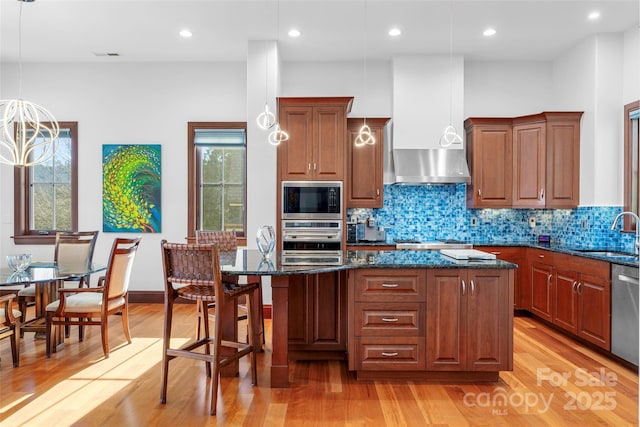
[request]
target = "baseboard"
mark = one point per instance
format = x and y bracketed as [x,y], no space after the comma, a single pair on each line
[157,297]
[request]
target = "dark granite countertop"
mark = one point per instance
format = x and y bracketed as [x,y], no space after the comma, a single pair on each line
[250,262]
[604,253]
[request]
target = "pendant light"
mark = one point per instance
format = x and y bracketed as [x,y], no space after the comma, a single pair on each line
[27,130]
[365,136]
[450,135]
[266,119]
[278,135]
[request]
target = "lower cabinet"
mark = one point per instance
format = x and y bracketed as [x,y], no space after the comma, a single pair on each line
[515,255]
[573,293]
[469,320]
[317,317]
[431,320]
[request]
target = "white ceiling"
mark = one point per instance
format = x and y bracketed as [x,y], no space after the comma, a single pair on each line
[332,30]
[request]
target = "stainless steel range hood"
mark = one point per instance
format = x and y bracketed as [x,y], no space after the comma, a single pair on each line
[430,166]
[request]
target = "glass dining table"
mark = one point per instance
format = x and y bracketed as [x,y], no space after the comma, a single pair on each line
[47,277]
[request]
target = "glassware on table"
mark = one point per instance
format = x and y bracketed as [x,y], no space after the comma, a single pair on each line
[19,263]
[266,240]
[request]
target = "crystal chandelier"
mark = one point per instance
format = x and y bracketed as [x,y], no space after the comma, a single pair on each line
[27,130]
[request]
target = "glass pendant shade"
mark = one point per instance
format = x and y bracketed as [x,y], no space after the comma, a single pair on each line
[27,133]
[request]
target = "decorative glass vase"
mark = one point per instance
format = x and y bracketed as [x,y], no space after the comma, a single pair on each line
[266,240]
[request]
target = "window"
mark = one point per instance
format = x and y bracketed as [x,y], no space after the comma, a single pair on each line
[217,177]
[631,161]
[46,195]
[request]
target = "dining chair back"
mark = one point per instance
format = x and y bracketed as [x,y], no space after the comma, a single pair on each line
[192,272]
[92,306]
[227,241]
[10,325]
[73,252]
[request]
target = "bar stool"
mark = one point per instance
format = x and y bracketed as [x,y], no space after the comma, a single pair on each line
[195,270]
[228,242]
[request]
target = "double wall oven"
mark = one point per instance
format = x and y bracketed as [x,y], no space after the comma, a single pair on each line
[312,222]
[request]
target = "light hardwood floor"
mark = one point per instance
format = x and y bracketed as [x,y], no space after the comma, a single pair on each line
[555,382]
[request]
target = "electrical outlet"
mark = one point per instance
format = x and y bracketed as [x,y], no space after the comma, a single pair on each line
[532,222]
[474,221]
[584,224]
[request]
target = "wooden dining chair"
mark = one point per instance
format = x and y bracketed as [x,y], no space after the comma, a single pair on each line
[73,252]
[92,306]
[10,326]
[192,272]
[227,241]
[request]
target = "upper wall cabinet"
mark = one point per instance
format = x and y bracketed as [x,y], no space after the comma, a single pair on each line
[524,162]
[365,165]
[317,128]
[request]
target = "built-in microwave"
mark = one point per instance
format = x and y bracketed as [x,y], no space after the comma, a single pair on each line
[312,199]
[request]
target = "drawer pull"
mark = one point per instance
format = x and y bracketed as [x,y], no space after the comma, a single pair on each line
[389,319]
[390,285]
[389,354]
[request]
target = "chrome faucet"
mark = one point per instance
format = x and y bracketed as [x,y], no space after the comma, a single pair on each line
[637,219]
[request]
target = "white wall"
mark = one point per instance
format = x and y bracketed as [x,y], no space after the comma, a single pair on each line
[506,89]
[631,67]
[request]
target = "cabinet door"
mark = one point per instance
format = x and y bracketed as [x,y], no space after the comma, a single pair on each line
[514,255]
[529,165]
[594,310]
[446,320]
[541,290]
[296,155]
[365,165]
[565,313]
[490,158]
[317,315]
[563,160]
[329,150]
[489,321]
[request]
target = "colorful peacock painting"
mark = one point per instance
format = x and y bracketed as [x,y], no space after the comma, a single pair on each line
[131,190]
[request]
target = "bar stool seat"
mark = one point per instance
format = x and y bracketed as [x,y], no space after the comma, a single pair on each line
[194,269]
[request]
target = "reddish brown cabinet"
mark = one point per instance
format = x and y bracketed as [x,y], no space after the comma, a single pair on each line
[526,162]
[573,293]
[490,159]
[317,128]
[515,255]
[365,165]
[469,320]
[317,316]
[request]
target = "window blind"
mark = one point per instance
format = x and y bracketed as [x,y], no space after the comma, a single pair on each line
[220,137]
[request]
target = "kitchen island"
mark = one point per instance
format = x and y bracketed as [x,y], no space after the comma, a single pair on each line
[416,314]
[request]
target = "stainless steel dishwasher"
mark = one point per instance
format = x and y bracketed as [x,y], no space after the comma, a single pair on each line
[624,312]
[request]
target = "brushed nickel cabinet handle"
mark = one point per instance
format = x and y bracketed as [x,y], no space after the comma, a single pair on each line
[542,193]
[390,285]
[479,193]
[315,166]
[579,288]
[464,288]
[309,166]
[390,319]
[574,286]
[473,288]
[389,354]
[549,280]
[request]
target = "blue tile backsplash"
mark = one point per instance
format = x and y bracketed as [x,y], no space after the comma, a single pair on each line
[436,212]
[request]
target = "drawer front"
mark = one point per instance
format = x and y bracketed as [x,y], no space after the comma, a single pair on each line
[391,285]
[387,354]
[395,319]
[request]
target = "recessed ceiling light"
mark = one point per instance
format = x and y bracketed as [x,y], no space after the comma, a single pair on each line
[185,33]
[489,32]
[294,32]
[395,32]
[594,15]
